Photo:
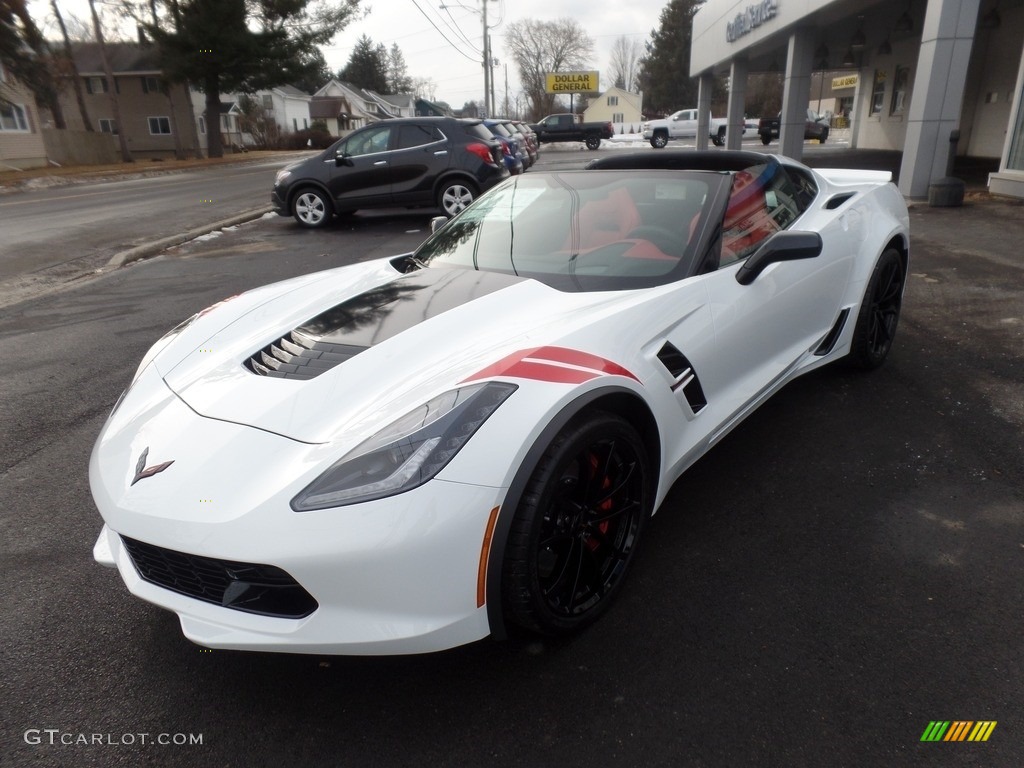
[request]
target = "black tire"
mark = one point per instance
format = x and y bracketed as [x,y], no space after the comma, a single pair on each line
[718,141]
[312,208]
[659,140]
[577,526]
[824,135]
[454,196]
[766,138]
[879,313]
[593,142]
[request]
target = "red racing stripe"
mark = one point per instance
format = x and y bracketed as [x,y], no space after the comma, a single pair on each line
[566,366]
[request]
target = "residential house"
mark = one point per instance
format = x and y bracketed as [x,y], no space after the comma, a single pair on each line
[398,104]
[21,143]
[151,110]
[620,107]
[426,108]
[343,107]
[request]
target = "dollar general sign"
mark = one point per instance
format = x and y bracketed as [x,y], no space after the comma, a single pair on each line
[572,82]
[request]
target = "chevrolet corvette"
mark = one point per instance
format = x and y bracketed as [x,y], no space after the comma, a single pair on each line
[413,453]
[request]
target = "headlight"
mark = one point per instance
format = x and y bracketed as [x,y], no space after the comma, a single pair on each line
[281,176]
[408,452]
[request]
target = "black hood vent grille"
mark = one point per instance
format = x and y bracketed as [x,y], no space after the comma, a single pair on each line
[684,377]
[297,355]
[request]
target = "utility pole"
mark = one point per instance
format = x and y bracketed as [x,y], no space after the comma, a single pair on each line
[488,106]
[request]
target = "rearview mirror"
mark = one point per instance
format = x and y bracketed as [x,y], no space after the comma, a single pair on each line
[342,158]
[782,246]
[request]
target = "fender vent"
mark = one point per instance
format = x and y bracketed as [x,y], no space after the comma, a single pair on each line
[829,342]
[837,200]
[683,375]
[297,355]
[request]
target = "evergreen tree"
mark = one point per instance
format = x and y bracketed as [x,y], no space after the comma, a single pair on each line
[399,80]
[232,45]
[665,70]
[367,66]
[25,54]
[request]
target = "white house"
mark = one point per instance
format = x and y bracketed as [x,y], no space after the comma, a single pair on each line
[619,106]
[345,107]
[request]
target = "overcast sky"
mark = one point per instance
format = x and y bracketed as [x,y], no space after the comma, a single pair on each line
[459,76]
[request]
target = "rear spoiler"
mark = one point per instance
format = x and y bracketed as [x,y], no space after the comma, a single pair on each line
[844,176]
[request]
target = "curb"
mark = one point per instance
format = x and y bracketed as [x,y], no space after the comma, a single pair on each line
[151,249]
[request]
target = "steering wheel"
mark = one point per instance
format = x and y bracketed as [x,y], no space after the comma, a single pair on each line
[668,242]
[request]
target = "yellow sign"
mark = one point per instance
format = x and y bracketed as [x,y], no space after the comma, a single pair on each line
[572,82]
[847,81]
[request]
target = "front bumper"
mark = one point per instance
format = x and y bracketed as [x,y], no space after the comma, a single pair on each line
[278,203]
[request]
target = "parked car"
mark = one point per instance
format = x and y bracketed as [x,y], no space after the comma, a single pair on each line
[816,127]
[512,153]
[403,162]
[683,125]
[529,142]
[412,453]
[566,127]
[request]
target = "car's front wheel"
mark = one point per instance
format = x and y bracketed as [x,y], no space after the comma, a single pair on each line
[312,208]
[659,140]
[879,313]
[454,197]
[577,526]
[766,138]
[593,142]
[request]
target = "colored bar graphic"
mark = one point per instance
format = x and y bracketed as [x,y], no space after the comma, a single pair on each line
[958,730]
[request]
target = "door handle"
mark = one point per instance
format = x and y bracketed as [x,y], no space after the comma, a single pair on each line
[381,162]
[441,152]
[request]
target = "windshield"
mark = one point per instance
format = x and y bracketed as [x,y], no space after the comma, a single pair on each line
[582,230]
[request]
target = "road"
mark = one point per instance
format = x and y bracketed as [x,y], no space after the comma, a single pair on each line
[844,568]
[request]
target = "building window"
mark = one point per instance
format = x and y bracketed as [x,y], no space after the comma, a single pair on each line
[618,117]
[13,117]
[295,123]
[305,122]
[202,125]
[878,92]
[150,84]
[613,101]
[160,126]
[108,126]
[96,84]
[899,91]
[268,101]
[225,124]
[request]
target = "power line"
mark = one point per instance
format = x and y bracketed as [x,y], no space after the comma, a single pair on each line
[442,34]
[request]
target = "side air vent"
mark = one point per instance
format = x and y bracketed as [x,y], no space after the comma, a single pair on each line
[297,355]
[829,342]
[837,200]
[683,376]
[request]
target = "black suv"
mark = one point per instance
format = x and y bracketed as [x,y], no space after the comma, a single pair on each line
[403,162]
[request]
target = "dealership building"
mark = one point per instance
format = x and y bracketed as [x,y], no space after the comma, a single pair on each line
[927,77]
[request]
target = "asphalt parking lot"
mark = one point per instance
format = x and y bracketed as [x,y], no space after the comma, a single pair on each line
[843,569]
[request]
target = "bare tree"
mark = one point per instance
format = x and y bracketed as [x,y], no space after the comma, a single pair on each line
[541,47]
[425,88]
[72,71]
[624,67]
[112,93]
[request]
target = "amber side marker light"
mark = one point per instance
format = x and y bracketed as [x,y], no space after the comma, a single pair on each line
[485,549]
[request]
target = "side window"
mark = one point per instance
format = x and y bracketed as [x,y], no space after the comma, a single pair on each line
[763,201]
[368,142]
[410,136]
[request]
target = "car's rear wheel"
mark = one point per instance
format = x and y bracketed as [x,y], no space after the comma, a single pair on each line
[824,135]
[659,140]
[454,196]
[766,139]
[593,142]
[879,313]
[312,208]
[576,529]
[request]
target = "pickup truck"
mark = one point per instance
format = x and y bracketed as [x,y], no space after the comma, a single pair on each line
[682,125]
[563,127]
[816,127]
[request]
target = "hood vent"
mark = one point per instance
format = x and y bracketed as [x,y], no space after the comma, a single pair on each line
[684,377]
[298,355]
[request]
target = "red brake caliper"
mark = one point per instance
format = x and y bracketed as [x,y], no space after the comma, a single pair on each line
[604,506]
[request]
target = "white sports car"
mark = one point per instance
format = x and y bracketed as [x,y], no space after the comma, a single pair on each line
[409,454]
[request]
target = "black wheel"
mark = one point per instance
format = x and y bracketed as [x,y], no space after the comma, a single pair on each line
[824,135]
[593,142]
[454,196]
[718,141]
[659,140]
[766,138]
[879,313]
[577,526]
[312,208]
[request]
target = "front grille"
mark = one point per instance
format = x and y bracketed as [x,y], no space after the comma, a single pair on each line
[262,589]
[297,355]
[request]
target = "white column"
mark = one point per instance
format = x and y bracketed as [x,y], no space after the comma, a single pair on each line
[737,104]
[704,87]
[796,93]
[935,103]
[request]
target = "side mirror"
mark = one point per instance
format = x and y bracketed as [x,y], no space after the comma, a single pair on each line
[342,158]
[437,222]
[782,246]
